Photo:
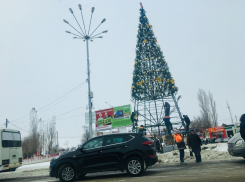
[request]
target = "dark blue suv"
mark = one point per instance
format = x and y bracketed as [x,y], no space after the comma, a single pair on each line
[130,151]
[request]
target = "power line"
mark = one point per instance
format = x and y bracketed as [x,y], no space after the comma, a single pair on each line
[20,118]
[59,101]
[56,116]
[66,113]
[70,117]
[71,111]
[53,101]
[63,95]
[18,127]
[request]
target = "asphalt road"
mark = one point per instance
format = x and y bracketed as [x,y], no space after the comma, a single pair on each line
[225,171]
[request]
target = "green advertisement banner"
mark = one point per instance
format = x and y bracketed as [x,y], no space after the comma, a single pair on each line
[121,116]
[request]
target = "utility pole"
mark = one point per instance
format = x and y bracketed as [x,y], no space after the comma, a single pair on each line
[228,106]
[7,121]
[89,91]
[57,140]
[43,144]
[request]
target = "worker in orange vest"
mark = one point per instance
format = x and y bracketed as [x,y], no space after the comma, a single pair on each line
[181,146]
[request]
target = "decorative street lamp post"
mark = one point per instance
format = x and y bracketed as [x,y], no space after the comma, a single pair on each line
[86,36]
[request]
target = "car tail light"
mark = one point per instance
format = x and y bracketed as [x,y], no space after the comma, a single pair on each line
[150,143]
[152,155]
[4,162]
[20,159]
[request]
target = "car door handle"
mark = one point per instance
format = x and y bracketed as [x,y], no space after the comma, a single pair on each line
[124,147]
[100,151]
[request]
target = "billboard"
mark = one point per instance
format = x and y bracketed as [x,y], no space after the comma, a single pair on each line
[113,117]
[87,118]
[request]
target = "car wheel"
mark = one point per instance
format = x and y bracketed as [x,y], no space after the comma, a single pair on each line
[66,173]
[134,166]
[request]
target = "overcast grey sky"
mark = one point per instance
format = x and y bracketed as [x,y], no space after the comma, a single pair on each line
[202,41]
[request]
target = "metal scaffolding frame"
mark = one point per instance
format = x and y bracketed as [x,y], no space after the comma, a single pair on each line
[151,113]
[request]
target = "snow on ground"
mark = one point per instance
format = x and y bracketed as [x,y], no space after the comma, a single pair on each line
[221,147]
[38,169]
[34,166]
[212,152]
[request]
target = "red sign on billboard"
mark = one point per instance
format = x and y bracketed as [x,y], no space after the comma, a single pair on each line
[218,129]
[104,119]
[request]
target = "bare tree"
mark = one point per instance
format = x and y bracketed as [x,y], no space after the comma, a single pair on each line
[50,136]
[213,112]
[209,116]
[85,136]
[26,147]
[34,135]
[204,106]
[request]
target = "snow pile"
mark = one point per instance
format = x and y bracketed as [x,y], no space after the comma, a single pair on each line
[221,147]
[212,152]
[38,169]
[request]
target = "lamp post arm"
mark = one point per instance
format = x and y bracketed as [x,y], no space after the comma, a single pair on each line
[75,29]
[96,35]
[83,22]
[90,22]
[95,30]
[77,35]
[78,23]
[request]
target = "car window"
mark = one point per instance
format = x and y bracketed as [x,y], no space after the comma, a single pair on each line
[94,143]
[116,139]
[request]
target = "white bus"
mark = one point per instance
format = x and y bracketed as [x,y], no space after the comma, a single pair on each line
[10,149]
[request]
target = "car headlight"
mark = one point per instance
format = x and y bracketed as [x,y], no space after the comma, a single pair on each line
[239,143]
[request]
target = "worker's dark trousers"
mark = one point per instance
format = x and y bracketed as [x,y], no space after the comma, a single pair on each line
[181,155]
[198,156]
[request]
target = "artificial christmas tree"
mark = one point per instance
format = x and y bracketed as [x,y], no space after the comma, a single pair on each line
[151,77]
[152,80]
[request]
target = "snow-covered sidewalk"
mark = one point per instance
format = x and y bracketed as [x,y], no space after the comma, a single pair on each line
[43,165]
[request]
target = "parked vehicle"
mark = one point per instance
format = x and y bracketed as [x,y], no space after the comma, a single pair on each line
[204,142]
[10,150]
[226,139]
[236,146]
[130,151]
[221,140]
[211,140]
[218,140]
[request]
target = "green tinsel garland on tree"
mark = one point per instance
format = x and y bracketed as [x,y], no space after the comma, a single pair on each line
[151,77]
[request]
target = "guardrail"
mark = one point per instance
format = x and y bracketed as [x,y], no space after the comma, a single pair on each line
[36,158]
[169,148]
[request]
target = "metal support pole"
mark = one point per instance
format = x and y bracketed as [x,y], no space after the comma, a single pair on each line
[43,145]
[177,107]
[89,96]
[144,113]
[228,106]
[57,139]
[150,119]
[158,122]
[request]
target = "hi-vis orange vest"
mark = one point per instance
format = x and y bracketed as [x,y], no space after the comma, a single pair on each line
[177,137]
